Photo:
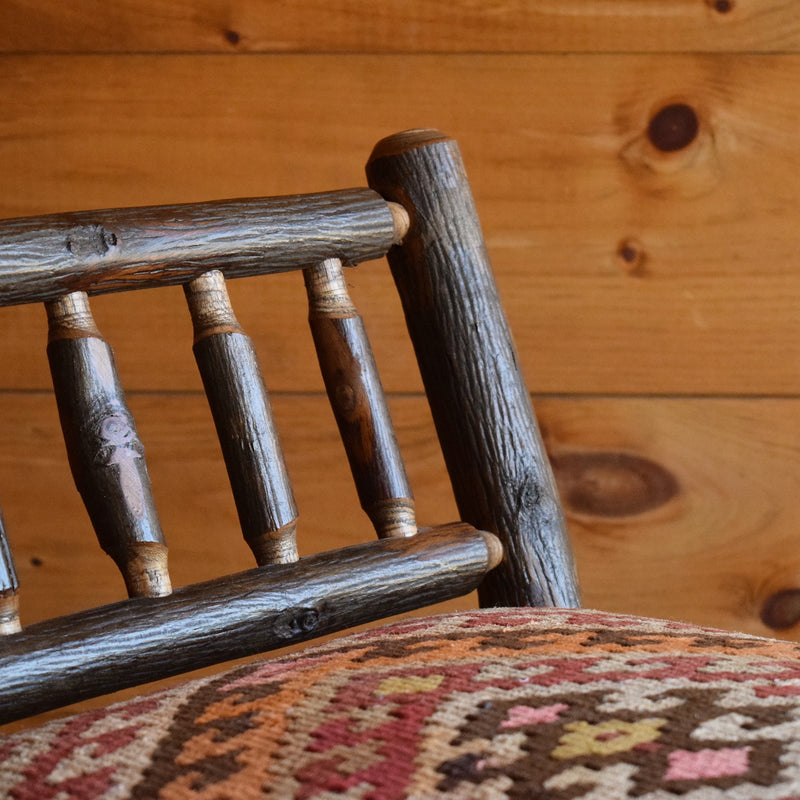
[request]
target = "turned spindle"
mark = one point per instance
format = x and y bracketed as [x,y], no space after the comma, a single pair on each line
[243,417]
[105,453]
[358,402]
[9,587]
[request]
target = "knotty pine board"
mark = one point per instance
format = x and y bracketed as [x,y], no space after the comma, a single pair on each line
[680,508]
[412,26]
[563,173]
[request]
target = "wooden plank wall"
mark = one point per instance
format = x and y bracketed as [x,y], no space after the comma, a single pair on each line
[655,295]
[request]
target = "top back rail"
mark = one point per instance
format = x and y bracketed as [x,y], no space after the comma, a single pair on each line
[43,258]
[501,478]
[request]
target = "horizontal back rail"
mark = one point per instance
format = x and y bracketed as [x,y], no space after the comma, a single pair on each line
[43,258]
[135,641]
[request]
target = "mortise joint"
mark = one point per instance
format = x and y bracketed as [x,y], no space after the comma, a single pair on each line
[70,317]
[210,306]
[494,549]
[402,221]
[327,290]
[394,518]
[9,615]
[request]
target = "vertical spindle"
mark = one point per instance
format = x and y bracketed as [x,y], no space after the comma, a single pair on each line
[9,587]
[358,402]
[243,417]
[105,453]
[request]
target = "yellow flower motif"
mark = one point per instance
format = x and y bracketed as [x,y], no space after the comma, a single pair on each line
[605,738]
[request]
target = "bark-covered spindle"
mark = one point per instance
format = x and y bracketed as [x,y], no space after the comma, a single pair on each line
[358,402]
[243,417]
[104,449]
[9,587]
[501,477]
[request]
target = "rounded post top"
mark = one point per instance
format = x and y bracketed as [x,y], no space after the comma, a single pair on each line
[404,141]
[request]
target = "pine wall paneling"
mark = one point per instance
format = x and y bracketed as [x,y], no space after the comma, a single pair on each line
[654,295]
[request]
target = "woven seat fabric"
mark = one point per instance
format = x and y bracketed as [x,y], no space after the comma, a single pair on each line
[491,704]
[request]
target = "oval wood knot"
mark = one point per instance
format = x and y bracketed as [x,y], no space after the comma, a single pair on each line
[632,257]
[297,621]
[721,6]
[673,127]
[612,484]
[782,610]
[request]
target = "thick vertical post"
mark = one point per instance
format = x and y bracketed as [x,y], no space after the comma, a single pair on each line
[104,449]
[9,587]
[501,478]
[243,417]
[358,402]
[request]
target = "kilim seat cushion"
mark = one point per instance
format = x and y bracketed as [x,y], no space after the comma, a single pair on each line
[501,703]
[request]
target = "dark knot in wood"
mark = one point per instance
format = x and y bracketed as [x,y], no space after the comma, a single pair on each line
[721,6]
[782,610]
[612,484]
[297,621]
[90,240]
[632,257]
[345,399]
[674,127]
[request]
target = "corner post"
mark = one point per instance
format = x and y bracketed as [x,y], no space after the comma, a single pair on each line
[501,477]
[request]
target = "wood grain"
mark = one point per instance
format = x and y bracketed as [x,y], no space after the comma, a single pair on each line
[623,269]
[399,26]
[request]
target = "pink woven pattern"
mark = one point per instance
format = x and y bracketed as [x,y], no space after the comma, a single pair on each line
[494,704]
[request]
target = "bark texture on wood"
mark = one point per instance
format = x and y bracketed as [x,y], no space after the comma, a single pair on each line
[135,641]
[492,446]
[358,402]
[105,453]
[242,414]
[42,258]
[9,586]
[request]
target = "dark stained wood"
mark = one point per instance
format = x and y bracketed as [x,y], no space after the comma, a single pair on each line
[9,586]
[358,401]
[42,258]
[105,453]
[243,417]
[136,641]
[494,454]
